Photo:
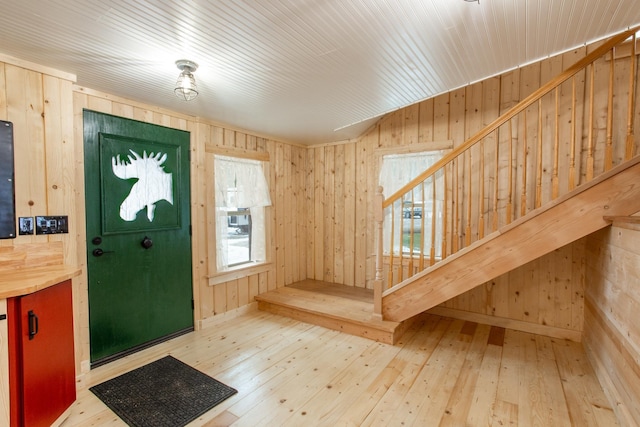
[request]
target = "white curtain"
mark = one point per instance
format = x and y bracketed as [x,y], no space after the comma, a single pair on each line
[398,169]
[240,183]
[395,172]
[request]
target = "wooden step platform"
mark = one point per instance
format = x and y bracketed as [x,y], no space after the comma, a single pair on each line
[342,308]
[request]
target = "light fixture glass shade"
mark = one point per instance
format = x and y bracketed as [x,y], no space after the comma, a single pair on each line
[186,88]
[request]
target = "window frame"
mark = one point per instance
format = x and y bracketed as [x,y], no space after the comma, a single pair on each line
[444,146]
[241,270]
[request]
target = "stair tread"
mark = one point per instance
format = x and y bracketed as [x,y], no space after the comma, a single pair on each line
[334,306]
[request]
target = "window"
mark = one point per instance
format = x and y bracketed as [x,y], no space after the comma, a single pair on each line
[241,195]
[239,233]
[416,209]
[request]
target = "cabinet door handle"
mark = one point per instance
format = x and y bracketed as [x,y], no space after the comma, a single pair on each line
[33,324]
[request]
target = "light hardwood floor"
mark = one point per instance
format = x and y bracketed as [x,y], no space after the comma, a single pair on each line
[442,372]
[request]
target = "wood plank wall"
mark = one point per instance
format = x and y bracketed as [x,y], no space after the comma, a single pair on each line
[612,330]
[548,292]
[39,103]
[286,221]
[40,107]
[321,224]
[47,110]
[341,218]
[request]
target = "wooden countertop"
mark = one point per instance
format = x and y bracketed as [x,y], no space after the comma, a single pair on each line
[23,281]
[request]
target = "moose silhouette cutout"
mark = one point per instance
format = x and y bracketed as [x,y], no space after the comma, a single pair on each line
[153,185]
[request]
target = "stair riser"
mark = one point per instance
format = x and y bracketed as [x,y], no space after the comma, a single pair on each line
[342,325]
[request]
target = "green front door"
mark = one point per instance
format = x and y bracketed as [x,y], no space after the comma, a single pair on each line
[138,240]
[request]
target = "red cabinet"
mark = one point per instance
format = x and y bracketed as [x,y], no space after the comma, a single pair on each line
[41,355]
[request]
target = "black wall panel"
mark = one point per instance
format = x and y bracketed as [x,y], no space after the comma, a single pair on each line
[7,192]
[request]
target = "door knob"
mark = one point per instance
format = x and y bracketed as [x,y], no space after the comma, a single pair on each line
[100,252]
[146,242]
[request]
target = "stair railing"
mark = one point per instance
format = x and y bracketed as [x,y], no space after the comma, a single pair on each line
[499,174]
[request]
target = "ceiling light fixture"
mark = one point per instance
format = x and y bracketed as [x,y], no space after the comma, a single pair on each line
[473,1]
[186,85]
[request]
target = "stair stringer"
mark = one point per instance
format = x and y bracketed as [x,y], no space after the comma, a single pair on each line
[558,223]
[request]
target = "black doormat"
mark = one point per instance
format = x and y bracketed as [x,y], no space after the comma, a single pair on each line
[166,392]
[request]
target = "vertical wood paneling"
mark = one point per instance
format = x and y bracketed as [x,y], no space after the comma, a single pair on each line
[60,151]
[280,213]
[473,122]
[365,243]
[339,215]
[425,121]
[391,129]
[24,109]
[319,209]
[441,118]
[254,286]
[3,92]
[41,110]
[299,172]
[578,284]
[232,294]
[527,149]
[411,124]
[329,214]
[349,216]
[211,299]
[220,298]
[311,207]
[454,110]
[272,214]
[548,291]
[243,291]
[372,140]
[321,219]
[287,178]
[203,254]
[80,287]
[612,332]
[549,69]
[290,217]
[122,110]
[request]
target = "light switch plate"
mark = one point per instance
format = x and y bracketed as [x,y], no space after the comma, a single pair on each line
[25,225]
[52,224]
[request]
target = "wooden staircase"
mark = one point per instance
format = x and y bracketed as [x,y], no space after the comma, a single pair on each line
[540,176]
[533,190]
[567,219]
[349,309]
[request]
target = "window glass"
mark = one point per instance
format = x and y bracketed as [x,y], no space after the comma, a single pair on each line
[239,236]
[416,210]
[242,193]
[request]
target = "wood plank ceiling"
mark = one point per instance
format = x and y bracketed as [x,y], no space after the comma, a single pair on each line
[309,71]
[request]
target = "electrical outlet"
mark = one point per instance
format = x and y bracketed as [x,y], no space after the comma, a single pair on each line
[52,224]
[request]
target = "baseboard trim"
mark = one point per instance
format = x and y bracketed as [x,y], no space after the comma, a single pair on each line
[228,315]
[503,322]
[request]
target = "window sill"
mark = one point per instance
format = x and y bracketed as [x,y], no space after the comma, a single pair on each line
[239,272]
